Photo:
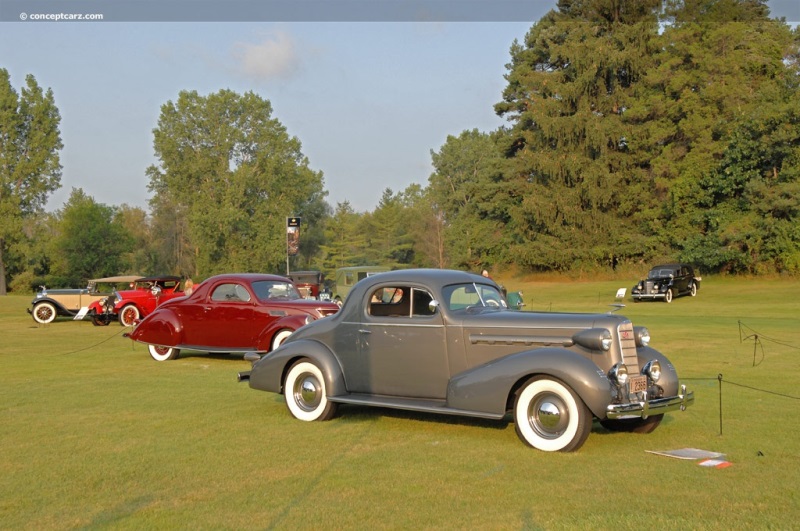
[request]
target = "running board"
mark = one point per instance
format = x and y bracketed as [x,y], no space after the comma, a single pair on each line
[410,404]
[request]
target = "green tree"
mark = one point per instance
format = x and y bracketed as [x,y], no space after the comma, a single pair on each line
[237,174]
[721,74]
[91,241]
[387,234]
[142,256]
[30,168]
[426,228]
[345,244]
[470,196]
[575,179]
[169,226]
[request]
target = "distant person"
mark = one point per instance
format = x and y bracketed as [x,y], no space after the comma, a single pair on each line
[485,274]
[188,287]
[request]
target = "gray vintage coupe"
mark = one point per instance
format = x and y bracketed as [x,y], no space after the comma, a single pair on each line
[444,341]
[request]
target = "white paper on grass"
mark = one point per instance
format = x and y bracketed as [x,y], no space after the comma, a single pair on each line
[687,453]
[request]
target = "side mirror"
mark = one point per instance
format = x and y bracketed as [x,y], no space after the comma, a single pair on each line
[433,306]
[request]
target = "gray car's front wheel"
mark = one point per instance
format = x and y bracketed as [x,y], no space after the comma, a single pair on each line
[549,416]
[44,313]
[305,393]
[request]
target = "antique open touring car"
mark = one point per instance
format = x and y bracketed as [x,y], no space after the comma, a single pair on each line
[73,302]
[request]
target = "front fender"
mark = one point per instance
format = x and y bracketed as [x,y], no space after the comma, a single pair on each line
[289,322]
[60,308]
[669,376]
[269,372]
[487,387]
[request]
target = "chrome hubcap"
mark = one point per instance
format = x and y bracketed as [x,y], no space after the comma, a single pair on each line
[549,416]
[307,393]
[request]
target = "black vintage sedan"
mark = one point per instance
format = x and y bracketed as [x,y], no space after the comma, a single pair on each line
[444,341]
[664,282]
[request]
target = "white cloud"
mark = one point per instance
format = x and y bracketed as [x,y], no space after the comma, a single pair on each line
[275,57]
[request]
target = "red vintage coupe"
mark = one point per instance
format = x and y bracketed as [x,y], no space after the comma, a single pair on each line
[247,312]
[128,306]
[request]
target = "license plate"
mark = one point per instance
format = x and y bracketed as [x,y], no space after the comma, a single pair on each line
[637,384]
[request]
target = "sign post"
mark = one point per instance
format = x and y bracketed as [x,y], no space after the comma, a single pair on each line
[292,239]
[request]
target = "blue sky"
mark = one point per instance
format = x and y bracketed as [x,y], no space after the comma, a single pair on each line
[367,100]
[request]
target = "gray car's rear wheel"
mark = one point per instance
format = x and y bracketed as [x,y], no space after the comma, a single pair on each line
[163,353]
[633,425]
[44,313]
[305,393]
[549,416]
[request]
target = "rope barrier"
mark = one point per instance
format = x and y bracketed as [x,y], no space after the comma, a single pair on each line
[721,381]
[109,338]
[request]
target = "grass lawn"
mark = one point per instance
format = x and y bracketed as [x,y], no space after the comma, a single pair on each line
[97,435]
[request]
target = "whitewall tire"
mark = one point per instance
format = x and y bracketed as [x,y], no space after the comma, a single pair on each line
[128,315]
[549,416]
[44,313]
[305,393]
[163,353]
[280,337]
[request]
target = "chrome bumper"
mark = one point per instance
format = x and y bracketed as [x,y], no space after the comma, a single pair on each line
[646,408]
[648,295]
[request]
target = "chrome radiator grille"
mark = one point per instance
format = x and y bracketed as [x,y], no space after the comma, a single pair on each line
[627,343]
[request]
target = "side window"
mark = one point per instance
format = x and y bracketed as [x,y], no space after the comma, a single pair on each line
[400,301]
[230,293]
[421,303]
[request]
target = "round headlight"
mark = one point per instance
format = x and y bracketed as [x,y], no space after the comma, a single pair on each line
[652,369]
[642,336]
[619,373]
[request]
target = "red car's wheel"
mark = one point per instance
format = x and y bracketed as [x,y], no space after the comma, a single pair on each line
[163,353]
[280,337]
[128,315]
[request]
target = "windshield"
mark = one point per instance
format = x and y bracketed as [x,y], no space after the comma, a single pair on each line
[660,273]
[275,290]
[462,296]
[305,279]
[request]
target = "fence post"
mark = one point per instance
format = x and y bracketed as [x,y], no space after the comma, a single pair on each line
[719,377]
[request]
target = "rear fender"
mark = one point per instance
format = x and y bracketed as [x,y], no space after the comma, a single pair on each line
[159,328]
[489,387]
[269,373]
